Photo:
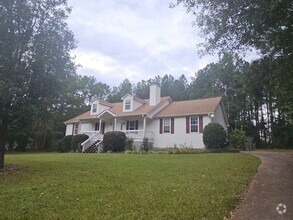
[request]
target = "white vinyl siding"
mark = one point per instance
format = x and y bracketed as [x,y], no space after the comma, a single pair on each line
[180,137]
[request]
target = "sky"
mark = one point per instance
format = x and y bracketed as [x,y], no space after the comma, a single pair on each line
[119,39]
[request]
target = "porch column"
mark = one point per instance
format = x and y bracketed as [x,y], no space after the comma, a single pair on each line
[100,126]
[79,128]
[115,123]
[144,126]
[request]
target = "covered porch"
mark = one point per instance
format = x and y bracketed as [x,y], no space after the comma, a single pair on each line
[133,126]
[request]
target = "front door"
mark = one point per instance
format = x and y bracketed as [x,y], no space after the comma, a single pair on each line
[97,127]
[103,127]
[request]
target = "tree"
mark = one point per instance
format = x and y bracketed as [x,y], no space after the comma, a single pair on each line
[238,139]
[35,61]
[90,89]
[234,25]
[120,91]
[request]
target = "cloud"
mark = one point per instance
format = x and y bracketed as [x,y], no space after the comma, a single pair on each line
[133,39]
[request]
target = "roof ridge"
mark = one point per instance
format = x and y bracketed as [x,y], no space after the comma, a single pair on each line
[190,100]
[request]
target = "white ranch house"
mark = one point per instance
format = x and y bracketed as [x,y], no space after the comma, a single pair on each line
[165,123]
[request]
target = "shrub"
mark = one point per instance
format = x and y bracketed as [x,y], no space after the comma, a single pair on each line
[128,152]
[129,143]
[77,140]
[146,146]
[72,143]
[114,141]
[214,136]
[65,143]
[238,139]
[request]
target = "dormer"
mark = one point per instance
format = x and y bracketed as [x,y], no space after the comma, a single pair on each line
[130,103]
[98,106]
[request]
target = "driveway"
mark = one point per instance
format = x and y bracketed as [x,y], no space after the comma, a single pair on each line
[271,186]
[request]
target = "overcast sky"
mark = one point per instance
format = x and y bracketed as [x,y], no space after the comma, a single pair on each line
[134,39]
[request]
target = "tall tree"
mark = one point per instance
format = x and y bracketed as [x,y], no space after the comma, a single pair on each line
[90,89]
[265,25]
[118,92]
[233,25]
[35,45]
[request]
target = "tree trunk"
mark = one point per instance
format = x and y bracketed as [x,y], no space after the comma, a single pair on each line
[2,146]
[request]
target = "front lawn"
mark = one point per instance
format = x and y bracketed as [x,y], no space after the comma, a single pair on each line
[123,186]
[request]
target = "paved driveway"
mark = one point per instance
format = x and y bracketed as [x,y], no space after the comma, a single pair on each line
[271,186]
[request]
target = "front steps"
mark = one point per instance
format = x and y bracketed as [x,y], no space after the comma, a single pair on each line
[94,148]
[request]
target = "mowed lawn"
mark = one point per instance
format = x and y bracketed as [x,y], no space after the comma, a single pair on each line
[123,186]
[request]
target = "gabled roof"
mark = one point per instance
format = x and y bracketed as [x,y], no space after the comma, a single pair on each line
[134,97]
[86,115]
[173,109]
[117,110]
[190,107]
[144,109]
[105,103]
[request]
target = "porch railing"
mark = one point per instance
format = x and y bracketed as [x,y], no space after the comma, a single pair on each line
[93,137]
[139,134]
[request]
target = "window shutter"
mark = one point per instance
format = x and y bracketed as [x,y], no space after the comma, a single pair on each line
[136,125]
[200,123]
[172,125]
[187,124]
[161,125]
[127,125]
[73,125]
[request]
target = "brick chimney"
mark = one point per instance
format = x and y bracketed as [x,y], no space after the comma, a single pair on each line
[155,95]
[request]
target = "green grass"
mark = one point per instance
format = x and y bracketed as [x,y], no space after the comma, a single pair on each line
[123,186]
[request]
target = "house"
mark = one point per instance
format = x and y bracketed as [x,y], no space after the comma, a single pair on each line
[165,123]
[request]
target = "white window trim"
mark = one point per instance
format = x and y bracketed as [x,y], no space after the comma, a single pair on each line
[197,119]
[96,109]
[130,105]
[163,124]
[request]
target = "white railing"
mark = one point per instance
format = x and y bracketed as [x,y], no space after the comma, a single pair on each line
[139,134]
[93,137]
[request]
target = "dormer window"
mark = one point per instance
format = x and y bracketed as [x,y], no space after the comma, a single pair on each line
[94,108]
[127,104]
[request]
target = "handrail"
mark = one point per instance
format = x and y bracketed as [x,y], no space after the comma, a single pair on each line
[83,144]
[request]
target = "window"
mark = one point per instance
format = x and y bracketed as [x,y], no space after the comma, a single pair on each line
[94,108]
[127,105]
[193,124]
[132,125]
[166,125]
[75,128]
